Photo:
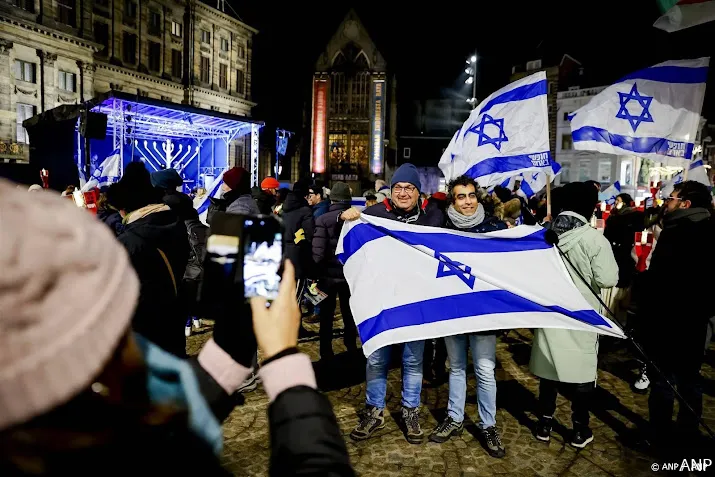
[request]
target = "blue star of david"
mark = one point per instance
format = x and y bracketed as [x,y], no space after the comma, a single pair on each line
[448,268]
[644,101]
[484,138]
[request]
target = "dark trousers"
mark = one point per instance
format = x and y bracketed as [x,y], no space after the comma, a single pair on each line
[581,396]
[335,290]
[686,378]
[435,360]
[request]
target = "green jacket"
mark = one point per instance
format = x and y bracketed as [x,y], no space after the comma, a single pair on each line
[572,356]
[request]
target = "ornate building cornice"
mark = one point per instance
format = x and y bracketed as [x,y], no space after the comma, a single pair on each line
[43,30]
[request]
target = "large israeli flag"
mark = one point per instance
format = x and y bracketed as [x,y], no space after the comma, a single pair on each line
[444,282]
[106,173]
[653,113]
[697,172]
[506,135]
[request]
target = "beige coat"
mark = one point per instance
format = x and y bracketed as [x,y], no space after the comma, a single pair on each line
[572,356]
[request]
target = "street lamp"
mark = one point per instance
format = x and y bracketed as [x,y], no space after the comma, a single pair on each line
[471,79]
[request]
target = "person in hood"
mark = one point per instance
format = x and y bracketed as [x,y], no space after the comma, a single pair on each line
[466,213]
[329,271]
[115,398]
[299,227]
[407,207]
[236,195]
[678,321]
[158,246]
[316,202]
[566,358]
[169,183]
[265,196]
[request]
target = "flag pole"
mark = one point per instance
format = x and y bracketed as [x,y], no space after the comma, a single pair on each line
[548,195]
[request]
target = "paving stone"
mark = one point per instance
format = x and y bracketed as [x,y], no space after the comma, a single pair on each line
[247,444]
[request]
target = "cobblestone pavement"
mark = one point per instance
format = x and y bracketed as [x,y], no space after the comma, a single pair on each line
[617,412]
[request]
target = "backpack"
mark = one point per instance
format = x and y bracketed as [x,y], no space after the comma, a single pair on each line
[198,235]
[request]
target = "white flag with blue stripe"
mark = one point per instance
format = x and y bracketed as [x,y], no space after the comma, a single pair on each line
[697,172]
[531,183]
[107,172]
[507,134]
[609,195]
[443,282]
[653,113]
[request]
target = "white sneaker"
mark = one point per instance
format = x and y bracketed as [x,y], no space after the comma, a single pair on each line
[641,385]
[197,323]
[187,331]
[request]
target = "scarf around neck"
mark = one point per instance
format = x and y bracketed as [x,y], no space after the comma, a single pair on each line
[462,221]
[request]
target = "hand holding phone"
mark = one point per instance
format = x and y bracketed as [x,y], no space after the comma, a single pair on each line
[276,328]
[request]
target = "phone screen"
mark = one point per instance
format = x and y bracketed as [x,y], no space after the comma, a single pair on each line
[262,256]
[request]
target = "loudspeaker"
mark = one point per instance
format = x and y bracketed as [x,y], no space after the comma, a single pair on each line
[93,125]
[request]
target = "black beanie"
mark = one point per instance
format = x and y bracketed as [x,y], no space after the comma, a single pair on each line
[580,197]
[135,190]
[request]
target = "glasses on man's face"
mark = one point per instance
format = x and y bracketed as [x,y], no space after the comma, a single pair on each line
[668,199]
[409,189]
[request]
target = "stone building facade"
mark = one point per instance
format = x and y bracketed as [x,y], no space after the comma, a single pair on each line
[55,52]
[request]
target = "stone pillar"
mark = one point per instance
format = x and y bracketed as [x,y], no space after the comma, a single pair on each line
[7,112]
[47,79]
[87,71]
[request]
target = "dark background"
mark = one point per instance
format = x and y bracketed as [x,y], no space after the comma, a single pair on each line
[425,44]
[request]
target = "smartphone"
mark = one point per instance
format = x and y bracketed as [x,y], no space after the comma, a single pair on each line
[262,256]
[243,258]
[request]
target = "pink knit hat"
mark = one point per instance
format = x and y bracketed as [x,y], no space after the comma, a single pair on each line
[67,296]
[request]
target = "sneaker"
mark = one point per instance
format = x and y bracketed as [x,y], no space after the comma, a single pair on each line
[495,448]
[187,331]
[371,420]
[641,385]
[581,437]
[249,384]
[448,428]
[197,323]
[543,429]
[411,418]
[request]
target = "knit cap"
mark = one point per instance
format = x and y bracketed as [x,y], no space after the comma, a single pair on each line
[67,296]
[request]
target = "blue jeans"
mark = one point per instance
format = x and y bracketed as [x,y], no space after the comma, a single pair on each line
[484,357]
[376,375]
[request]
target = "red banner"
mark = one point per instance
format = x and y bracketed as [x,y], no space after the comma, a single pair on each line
[320,90]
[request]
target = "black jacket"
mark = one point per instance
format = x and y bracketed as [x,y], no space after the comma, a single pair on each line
[158,314]
[181,205]
[426,213]
[111,219]
[325,241]
[305,436]
[489,224]
[264,200]
[621,228]
[298,235]
[677,301]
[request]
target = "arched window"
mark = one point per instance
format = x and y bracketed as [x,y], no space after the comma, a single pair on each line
[361,62]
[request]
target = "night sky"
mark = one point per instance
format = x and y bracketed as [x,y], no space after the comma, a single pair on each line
[426,46]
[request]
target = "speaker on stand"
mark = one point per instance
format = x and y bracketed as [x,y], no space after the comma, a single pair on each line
[91,126]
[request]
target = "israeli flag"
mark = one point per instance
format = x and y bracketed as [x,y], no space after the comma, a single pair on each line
[609,195]
[444,282]
[202,205]
[506,135]
[653,113]
[697,172]
[531,183]
[106,173]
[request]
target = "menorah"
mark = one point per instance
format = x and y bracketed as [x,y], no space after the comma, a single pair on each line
[166,158]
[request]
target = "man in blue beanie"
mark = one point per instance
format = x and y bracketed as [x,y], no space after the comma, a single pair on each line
[404,206]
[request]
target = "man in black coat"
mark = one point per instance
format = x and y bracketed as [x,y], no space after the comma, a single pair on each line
[329,270]
[405,206]
[678,320]
[299,227]
[158,248]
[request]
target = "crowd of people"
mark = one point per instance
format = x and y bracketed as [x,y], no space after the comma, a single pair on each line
[93,363]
